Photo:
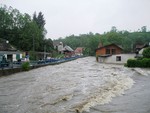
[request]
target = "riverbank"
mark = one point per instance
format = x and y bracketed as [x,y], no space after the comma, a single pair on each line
[13,70]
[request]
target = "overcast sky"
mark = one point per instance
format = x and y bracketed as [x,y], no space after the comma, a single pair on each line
[67,17]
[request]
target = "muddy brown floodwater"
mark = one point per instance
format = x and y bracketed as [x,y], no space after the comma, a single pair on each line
[71,87]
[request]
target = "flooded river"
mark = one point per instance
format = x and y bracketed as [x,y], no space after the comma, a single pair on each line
[71,87]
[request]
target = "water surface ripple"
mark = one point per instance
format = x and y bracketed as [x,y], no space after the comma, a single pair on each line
[65,88]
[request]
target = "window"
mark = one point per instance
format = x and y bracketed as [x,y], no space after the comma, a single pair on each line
[118,58]
[113,51]
[107,51]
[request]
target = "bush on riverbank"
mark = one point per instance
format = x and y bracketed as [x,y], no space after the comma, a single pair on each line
[25,66]
[145,62]
[146,52]
[141,61]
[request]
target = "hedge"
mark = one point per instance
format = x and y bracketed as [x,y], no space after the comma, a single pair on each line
[146,52]
[145,62]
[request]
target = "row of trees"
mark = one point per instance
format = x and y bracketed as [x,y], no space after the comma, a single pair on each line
[128,40]
[27,33]
[24,31]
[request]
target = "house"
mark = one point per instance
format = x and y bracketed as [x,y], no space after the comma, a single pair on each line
[68,51]
[79,51]
[59,46]
[112,53]
[55,44]
[10,52]
[139,50]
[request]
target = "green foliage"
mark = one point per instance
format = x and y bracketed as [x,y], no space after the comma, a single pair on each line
[60,56]
[145,62]
[22,31]
[90,41]
[55,53]
[25,66]
[32,55]
[146,52]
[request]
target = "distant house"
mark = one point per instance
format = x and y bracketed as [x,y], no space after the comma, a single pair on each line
[59,46]
[112,53]
[68,51]
[79,51]
[55,44]
[10,52]
[139,50]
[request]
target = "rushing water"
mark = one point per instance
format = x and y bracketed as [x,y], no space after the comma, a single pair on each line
[65,88]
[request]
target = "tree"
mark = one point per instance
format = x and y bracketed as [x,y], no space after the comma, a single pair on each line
[113,29]
[144,29]
[21,30]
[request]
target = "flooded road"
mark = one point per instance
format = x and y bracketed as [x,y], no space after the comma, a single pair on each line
[70,87]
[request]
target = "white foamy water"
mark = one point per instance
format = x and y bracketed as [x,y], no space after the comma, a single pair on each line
[74,86]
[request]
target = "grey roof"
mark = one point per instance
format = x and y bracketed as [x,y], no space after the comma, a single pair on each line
[10,52]
[5,46]
[68,48]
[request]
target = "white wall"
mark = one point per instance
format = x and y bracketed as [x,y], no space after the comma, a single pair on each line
[13,57]
[112,59]
[60,48]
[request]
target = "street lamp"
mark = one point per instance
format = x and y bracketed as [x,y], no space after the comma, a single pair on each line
[7,41]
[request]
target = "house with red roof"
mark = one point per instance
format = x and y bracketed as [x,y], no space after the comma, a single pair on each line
[79,51]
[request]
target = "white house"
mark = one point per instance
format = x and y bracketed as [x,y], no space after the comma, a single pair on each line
[9,51]
[116,59]
[12,55]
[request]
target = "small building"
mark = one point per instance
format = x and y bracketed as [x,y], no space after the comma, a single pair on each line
[58,46]
[68,51]
[112,53]
[10,52]
[139,50]
[79,51]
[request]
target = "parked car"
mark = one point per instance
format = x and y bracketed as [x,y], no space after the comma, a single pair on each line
[3,61]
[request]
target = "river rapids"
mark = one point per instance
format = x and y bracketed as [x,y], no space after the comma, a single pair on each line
[71,87]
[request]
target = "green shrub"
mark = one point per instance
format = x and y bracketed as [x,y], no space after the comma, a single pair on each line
[146,52]
[139,58]
[25,66]
[131,63]
[145,62]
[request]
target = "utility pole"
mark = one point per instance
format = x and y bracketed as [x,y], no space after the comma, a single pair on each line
[44,52]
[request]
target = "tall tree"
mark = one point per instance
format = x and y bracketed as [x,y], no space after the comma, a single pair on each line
[144,29]
[113,29]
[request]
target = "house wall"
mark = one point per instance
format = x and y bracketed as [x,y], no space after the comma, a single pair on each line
[13,57]
[118,50]
[112,59]
[60,48]
[102,51]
